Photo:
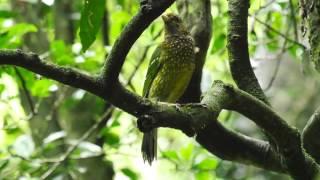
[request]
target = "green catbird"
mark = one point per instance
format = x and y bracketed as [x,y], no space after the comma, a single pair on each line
[169,73]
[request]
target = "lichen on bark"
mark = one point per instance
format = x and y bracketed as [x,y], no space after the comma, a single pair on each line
[314,30]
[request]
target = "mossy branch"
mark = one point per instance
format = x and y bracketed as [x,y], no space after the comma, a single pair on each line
[238,49]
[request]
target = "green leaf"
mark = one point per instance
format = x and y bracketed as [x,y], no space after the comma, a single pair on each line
[186,152]
[207,164]
[90,22]
[7,14]
[2,87]
[61,53]
[3,164]
[131,174]
[11,37]
[171,155]
[111,137]
[120,2]
[41,87]
[204,175]
[219,43]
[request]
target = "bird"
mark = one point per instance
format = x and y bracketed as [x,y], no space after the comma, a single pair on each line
[169,73]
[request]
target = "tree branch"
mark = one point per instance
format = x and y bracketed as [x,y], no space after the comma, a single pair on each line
[238,51]
[311,134]
[26,92]
[200,120]
[233,146]
[299,164]
[148,12]
[284,36]
[68,76]
[199,20]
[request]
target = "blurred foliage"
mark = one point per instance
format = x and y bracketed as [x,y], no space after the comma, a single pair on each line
[180,157]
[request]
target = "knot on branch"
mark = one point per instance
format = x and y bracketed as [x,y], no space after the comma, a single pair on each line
[146,6]
[235,37]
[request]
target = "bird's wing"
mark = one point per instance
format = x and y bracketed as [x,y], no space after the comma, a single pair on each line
[153,69]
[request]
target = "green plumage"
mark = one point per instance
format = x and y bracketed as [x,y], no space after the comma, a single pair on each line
[169,72]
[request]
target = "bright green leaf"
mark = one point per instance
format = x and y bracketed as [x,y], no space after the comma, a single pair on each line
[2,87]
[131,174]
[61,53]
[111,138]
[7,14]
[41,87]
[207,164]
[11,37]
[219,42]
[90,22]
[204,175]
[3,164]
[171,155]
[186,152]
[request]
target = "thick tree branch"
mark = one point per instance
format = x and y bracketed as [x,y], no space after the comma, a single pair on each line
[299,164]
[312,13]
[238,51]
[311,134]
[233,146]
[199,20]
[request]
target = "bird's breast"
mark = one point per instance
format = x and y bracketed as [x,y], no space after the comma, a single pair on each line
[171,82]
[174,76]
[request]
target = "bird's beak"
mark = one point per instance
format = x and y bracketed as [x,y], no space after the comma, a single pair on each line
[165,18]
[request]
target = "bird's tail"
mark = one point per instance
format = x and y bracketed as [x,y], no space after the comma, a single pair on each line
[149,145]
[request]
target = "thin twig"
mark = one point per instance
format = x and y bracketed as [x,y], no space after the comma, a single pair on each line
[103,120]
[56,104]
[279,33]
[294,20]
[25,90]
[279,56]
[264,6]
[140,61]
[276,70]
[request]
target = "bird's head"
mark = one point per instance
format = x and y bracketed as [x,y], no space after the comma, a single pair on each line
[173,25]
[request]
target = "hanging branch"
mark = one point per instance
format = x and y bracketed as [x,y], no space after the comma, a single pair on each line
[103,120]
[26,91]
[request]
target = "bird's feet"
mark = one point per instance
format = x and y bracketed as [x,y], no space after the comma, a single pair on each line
[146,123]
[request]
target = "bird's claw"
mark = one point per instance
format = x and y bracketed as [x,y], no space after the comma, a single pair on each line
[146,123]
